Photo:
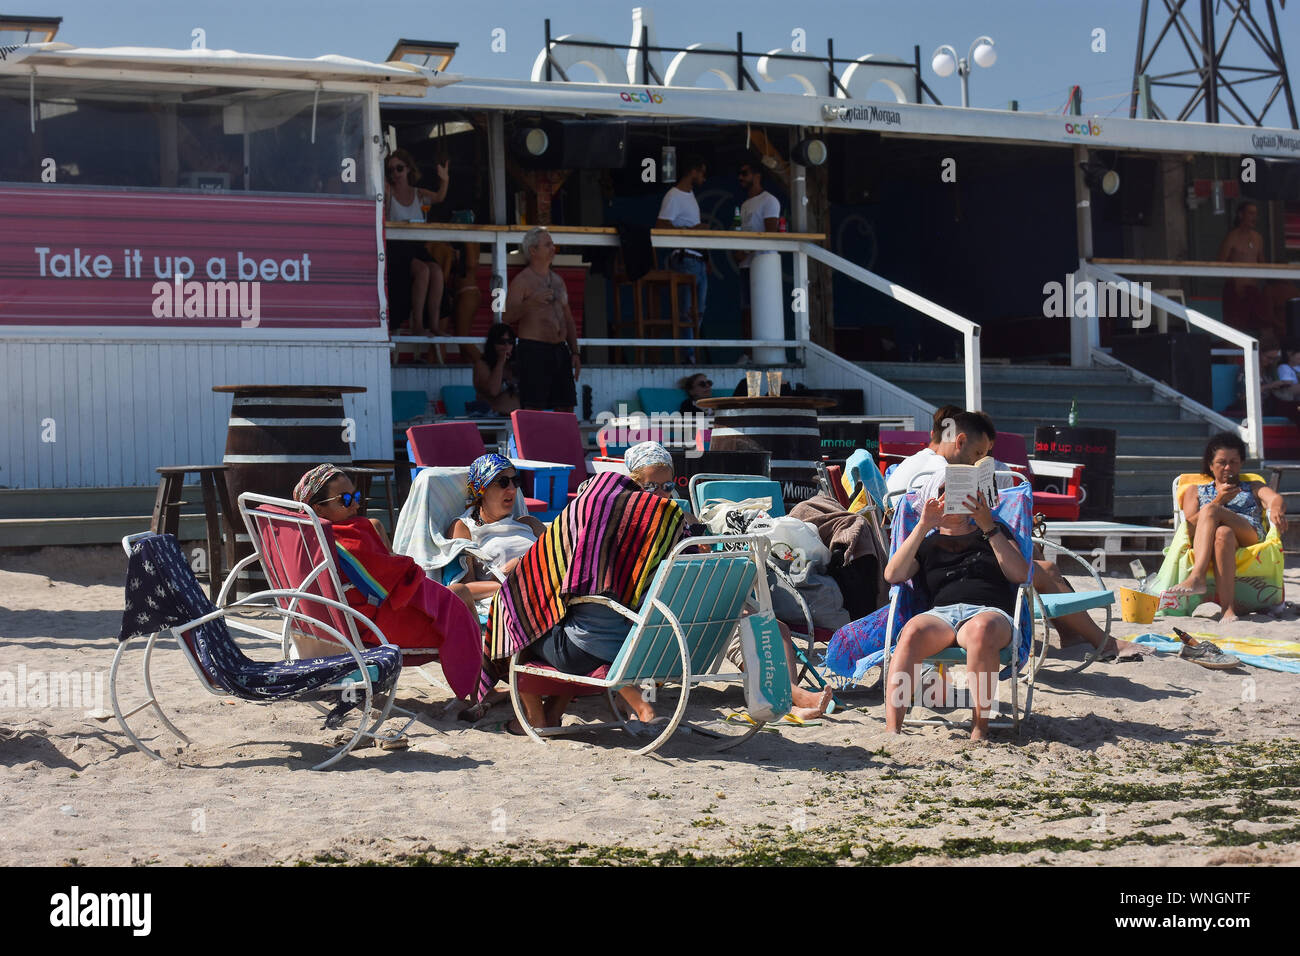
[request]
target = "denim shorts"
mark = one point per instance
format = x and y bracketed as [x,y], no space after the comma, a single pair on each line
[955,615]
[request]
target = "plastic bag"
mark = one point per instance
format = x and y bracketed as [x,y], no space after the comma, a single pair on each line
[768,695]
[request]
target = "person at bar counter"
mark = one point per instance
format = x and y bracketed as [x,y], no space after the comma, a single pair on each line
[760,212]
[404,201]
[537,309]
[390,589]
[681,210]
[1245,305]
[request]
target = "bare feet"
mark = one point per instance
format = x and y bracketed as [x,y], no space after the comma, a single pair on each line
[812,713]
[978,734]
[1229,616]
[1194,584]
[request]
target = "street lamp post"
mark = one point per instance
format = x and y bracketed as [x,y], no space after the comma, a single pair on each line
[945,60]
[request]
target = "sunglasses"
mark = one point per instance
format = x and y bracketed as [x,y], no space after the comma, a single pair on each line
[397,168]
[653,486]
[348,499]
[706,383]
[505,481]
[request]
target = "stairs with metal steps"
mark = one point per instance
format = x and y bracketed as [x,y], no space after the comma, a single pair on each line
[1156,439]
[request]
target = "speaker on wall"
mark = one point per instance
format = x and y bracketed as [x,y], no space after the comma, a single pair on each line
[1137,190]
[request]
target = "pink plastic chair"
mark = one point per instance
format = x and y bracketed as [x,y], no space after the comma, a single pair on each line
[450,445]
[551,436]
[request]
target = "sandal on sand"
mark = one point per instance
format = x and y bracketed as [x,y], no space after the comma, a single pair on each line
[741,717]
[1205,653]
[401,742]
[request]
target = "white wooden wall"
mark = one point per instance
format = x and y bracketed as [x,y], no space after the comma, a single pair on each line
[122,408]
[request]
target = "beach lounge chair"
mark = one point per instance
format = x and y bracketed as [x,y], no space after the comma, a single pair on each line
[297,552]
[164,598]
[1258,584]
[865,644]
[678,636]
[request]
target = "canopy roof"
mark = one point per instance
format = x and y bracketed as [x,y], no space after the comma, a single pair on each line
[393,79]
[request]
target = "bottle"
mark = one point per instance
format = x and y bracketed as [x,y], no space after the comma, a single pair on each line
[783,227]
[1074,412]
[735,220]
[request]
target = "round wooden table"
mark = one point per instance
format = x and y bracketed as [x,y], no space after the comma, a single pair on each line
[785,425]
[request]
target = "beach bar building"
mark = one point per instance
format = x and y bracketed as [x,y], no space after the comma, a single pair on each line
[916,231]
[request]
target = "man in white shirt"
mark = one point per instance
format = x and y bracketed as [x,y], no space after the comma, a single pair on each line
[760,212]
[926,461]
[680,210]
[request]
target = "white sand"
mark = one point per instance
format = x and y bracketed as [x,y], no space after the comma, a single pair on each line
[1153,762]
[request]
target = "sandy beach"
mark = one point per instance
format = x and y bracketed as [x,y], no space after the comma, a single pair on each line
[1151,762]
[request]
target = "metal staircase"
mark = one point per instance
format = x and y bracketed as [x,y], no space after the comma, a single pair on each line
[1156,438]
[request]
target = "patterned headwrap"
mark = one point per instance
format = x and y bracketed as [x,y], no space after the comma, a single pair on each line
[645,455]
[312,483]
[482,472]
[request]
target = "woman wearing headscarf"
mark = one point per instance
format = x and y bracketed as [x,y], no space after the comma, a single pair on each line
[500,539]
[391,589]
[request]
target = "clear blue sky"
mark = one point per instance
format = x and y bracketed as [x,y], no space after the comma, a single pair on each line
[1044,46]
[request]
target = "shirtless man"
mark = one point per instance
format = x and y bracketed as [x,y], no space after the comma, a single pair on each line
[537,308]
[1244,304]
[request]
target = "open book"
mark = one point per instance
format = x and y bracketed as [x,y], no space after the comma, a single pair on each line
[963,480]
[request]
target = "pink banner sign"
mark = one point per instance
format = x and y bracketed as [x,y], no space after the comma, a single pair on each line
[90,257]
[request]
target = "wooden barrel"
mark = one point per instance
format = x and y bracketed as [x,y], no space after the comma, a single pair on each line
[786,426]
[277,433]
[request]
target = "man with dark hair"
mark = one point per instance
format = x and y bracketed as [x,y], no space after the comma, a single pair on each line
[929,459]
[680,210]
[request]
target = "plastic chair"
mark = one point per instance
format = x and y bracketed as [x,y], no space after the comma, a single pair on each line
[455,397]
[552,437]
[452,445]
[679,635]
[1258,585]
[159,573]
[704,488]
[664,401]
[1009,448]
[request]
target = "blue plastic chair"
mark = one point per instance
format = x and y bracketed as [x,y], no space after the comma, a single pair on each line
[455,398]
[702,489]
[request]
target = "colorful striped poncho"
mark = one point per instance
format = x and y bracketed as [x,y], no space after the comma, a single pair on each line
[606,543]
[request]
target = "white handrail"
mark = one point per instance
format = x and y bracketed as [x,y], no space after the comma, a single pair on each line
[970,331]
[1253,431]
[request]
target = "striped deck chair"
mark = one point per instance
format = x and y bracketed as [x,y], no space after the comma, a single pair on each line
[679,636]
[164,598]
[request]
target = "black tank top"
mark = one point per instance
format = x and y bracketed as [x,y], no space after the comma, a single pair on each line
[962,569]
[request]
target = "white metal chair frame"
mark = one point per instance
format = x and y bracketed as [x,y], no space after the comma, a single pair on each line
[253,602]
[617,678]
[327,568]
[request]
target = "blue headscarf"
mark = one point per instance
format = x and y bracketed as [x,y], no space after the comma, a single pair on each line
[483,472]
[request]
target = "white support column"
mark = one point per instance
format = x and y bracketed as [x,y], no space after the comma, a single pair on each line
[1254,429]
[497,181]
[974,388]
[802,330]
[372,162]
[799,223]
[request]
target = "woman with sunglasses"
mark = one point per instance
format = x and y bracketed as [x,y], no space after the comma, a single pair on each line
[495,379]
[695,386]
[405,202]
[389,589]
[500,539]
